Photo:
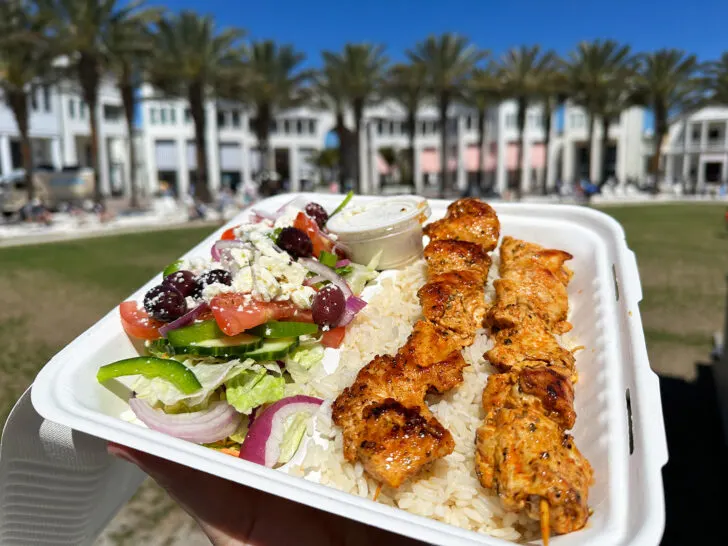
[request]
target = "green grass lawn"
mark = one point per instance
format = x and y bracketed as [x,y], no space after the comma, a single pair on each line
[51,293]
[682,254]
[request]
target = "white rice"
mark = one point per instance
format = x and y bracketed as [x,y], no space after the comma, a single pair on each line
[449,490]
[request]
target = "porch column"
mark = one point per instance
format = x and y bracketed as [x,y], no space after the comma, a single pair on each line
[462,175]
[56,158]
[701,175]
[501,172]
[595,157]
[362,163]
[372,160]
[417,168]
[213,150]
[294,169]
[104,169]
[526,181]
[552,153]
[670,168]
[703,136]
[245,161]
[686,169]
[568,167]
[6,162]
[183,169]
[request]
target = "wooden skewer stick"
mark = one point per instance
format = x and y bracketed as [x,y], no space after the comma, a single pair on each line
[545,521]
[376,493]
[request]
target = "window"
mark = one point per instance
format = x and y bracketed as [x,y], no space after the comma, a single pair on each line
[391,127]
[312,126]
[163,116]
[152,116]
[286,127]
[380,127]
[221,119]
[46,98]
[423,128]
[83,110]
[34,99]
[274,126]
[696,133]
[188,115]
[713,134]
[511,121]
[469,122]
[236,118]
[72,108]
[576,120]
[299,126]
[251,124]
[112,112]
[173,116]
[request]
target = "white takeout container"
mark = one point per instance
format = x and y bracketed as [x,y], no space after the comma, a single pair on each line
[391,226]
[619,425]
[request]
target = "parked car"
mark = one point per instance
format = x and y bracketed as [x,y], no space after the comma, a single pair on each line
[53,188]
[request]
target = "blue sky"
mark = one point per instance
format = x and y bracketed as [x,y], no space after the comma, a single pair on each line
[697,26]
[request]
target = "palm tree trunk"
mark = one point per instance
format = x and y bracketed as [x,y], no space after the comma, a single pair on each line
[444,145]
[126,88]
[197,109]
[547,114]
[358,119]
[521,119]
[590,145]
[660,132]
[18,102]
[411,128]
[343,148]
[262,134]
[481,151]
[90,78]
[606,122]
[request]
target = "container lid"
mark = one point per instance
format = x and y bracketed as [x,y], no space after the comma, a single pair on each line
[377,218]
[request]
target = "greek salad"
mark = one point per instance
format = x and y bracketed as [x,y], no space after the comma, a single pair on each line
[231,338]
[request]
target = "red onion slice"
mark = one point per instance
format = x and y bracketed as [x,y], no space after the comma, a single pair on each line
[262,445]
[221,245]
[353,306]
[299,203]
[184,320]
[265,215]
[327,273]
[314,280]
[343,263]
[215,423]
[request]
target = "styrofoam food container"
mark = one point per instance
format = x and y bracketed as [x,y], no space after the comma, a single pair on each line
[619,425]
[392,225]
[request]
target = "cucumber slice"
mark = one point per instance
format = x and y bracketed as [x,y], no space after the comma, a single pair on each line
[195,333]
[275,329]
[224,347]
[273,349]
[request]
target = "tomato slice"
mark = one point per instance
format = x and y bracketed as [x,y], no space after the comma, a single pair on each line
[228,234]
[310,227]
[137,322]
[333,338]
[236,313]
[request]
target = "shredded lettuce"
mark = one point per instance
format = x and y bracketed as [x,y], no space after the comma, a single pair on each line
[303,359]
[239,435]
[295,428]
[252,388]
[359,276]
[157,391]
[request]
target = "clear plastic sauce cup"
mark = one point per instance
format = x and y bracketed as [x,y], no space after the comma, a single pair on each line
[392,226]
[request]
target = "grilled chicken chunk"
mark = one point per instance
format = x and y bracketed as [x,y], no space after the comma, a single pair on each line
[444,256]
[429,344]
[454,301]
[468,220]
[525,456]
[518,254]
[541,389]
[529,344]
[385,420]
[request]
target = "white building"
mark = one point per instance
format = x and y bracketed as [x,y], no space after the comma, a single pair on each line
[59,130]
[696,149]
[168,141]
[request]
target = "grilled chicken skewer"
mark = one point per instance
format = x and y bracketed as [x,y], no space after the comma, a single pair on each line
[523,451]
[385,421]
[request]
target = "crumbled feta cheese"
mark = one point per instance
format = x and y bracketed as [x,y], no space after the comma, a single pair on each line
[243,281]
[191,302]
[287,218]
[265,285]
[244,231]
[196,264]
[303,296]
[212,290]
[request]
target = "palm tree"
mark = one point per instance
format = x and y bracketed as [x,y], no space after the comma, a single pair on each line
[406,84]
[449,60]
[192,59]
[331,94]
[554,91]
[272,81]
[716,80]
[26,57]
[667,82]
[483,92]
[130,49]
[361,68]
[521,72]
[82,29]
[594,70]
